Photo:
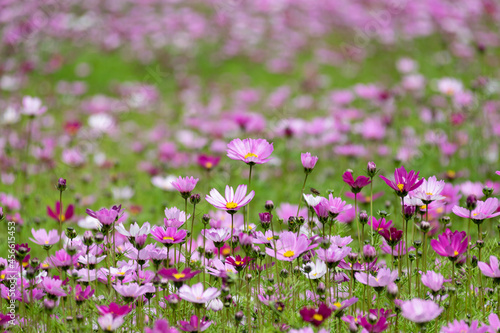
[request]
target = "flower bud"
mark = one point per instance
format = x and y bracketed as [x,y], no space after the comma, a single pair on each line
[284,273]
[487,191]
[471,202]
[371,169]
[392,291]
[195,199]
[363,217]
[425,226]
[369,253]
[61,184]
[205,219]
[99,238]
[321,288]
[352,257]
[71,233]
[88,238]
[269,205]
[238,316]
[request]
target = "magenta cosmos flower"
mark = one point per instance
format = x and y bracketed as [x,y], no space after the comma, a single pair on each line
[233,201]
[451,244]
[192,325]
[208,162]
[379,225]
[185,185]
[290,246]
[316,316]
[250,151]
[115,309]
[41,237]
[331,207]
[420,311]
[404,181]
[356,185]
[484,210]
[169,236]
[308,161]
[196,293]
[490,270]
[173,274]
[57,214]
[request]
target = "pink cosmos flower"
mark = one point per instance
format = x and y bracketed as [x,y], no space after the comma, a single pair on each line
[135,230]
[57,214]
[196,293]
[161,326]
[308,161]
[109,323]
[490,270]
[484,210]
[461,326]
[169,236]
[498,173]
[53,286]
[216,235]
[132,290]
[383,279]
[430,190]
[433,280]
[104,215]
[32,106]
[41,237]
[250,151]
[289,246]
[404,181]
[420,311]
[233,201]
[185,185]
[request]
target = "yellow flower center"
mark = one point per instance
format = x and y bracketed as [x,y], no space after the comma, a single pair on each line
[209,165]
[337,304]
[440,210]
[315,274]
[238,263]
[269,238]
[423,207]
[230,270]
[121,273]
[231,205]
[62,218]
[226,251]
[428,193]
[451,173]
[455,253]
[250,155]
[2,276]
[178,276]
[46,242]
[450,92]
[288,254]
[401,186]
[45,265]
[318,317]
[368,198]
[170,238]
[474,214]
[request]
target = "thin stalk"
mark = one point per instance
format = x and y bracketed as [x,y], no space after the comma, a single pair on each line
[301,194]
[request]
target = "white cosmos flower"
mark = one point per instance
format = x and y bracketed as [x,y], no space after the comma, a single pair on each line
[135,230]
[165,183]
[318,269]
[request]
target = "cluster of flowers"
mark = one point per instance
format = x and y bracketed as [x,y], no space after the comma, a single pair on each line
[156,280]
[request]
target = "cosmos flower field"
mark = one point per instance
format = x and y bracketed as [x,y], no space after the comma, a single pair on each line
[250,166]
